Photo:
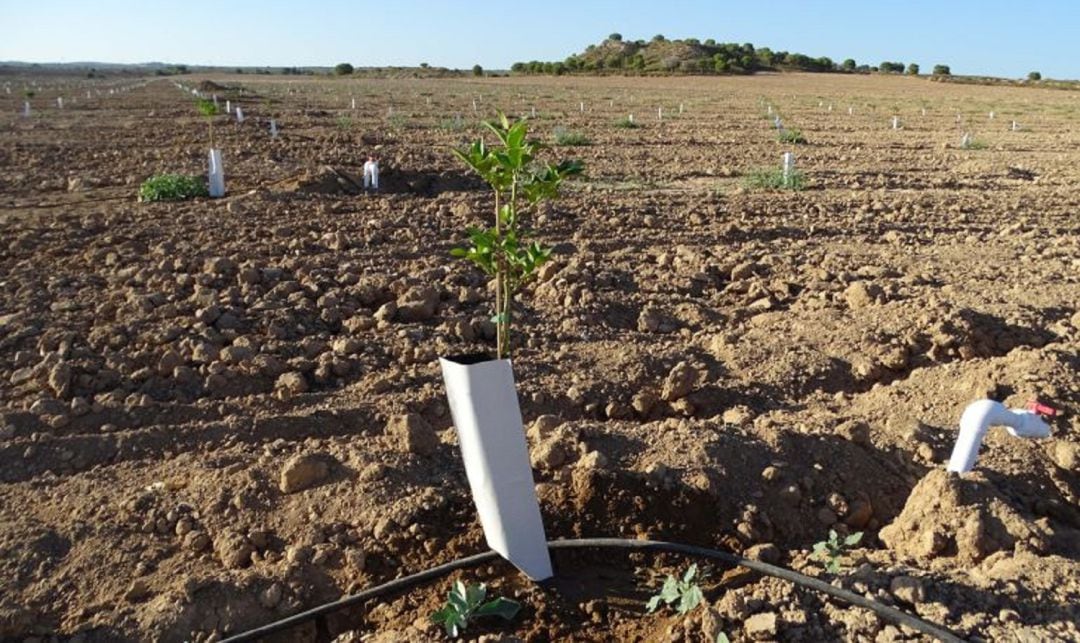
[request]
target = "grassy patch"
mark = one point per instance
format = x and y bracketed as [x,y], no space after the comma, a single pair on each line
[974,144]
[626,123]
[792,136]
[567,137]
[172,187]
[773,179]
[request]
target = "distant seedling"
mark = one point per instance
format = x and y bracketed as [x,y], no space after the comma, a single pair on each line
[465,603]
[792,136]
[685,594]
[209,109]
[626,123]
[773,179]
[829,551]
[344,123]
[171,187]
[971,143]
[567,137]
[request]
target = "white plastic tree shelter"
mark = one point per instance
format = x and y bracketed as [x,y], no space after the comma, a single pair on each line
[353,103]
[896,122]
[977,419]
[60,102]
[484,406]
[273,129]
[788,167]
[659,113]
[239,114]
[217,175]
[371,175]
[581,107]
[228,107]
[26,109]
[1015,126]
[631,118]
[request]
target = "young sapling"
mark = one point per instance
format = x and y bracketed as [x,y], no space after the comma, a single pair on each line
[684,593]
[466,602]
[208,109]
[829,551]
[520,181]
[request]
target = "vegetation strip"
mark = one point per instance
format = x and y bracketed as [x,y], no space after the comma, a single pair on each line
[889,613]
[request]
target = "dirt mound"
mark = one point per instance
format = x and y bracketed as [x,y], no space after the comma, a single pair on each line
[211,86]
[961,517]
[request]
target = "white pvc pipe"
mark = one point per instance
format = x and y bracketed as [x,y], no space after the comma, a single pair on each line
[217,175]
[484,405]
[239,114]
[978,417]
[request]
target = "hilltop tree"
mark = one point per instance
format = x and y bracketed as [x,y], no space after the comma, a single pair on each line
[1034,76]
[477,70]
[848,64]
[913,69]
[343,69]
[942,70]
[615,37]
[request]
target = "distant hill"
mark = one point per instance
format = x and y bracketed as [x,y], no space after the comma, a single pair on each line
[692,56]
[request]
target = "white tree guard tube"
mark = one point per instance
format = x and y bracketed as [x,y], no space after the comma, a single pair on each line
[484,405]
[978,417]
[217,175]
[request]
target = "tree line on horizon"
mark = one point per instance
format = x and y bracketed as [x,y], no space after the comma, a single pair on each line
[692,56]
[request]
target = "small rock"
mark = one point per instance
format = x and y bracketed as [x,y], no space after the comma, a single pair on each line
[355,559]
[680,382]
[1065,455]
[907,589]
[138,590]
[290,384]
[233,550]
[271,596]
[372,472]
[413,434]
[303,471]
[860,295]
[765,552]
[761,627]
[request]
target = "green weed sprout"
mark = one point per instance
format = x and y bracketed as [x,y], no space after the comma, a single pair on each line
[626,123]
[171,187]
[829,551]
[566,137]
[792,136]
[685,592]
[520,181]
[464,603]
[208,109]
[773,179]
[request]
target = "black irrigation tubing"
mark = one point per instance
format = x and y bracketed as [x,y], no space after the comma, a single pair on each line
[889,613]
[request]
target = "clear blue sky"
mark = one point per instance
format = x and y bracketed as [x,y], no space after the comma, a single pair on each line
[973,36]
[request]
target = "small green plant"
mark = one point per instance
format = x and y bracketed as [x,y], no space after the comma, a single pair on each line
[398,122]
[171,187]
[829,551]
[626,123]
[209,109]
[456,124]
[969,143]
[773,179]
[685,592]
[792,136]
[344,123]
[566,137]
[722,638]
[29,93]
[520,181]
[464,603]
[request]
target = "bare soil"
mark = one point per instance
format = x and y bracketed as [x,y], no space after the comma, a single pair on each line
[217,413]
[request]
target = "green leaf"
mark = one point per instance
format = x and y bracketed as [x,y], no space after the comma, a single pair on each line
[670,591]
[690,599]
[690,573]
[833,537]
[722,638]
[502,607]
[498,319]
[853,538]
[833,566]
[653,603]
[475,595]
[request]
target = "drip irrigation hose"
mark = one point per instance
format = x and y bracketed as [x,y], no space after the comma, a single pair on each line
[889,613]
